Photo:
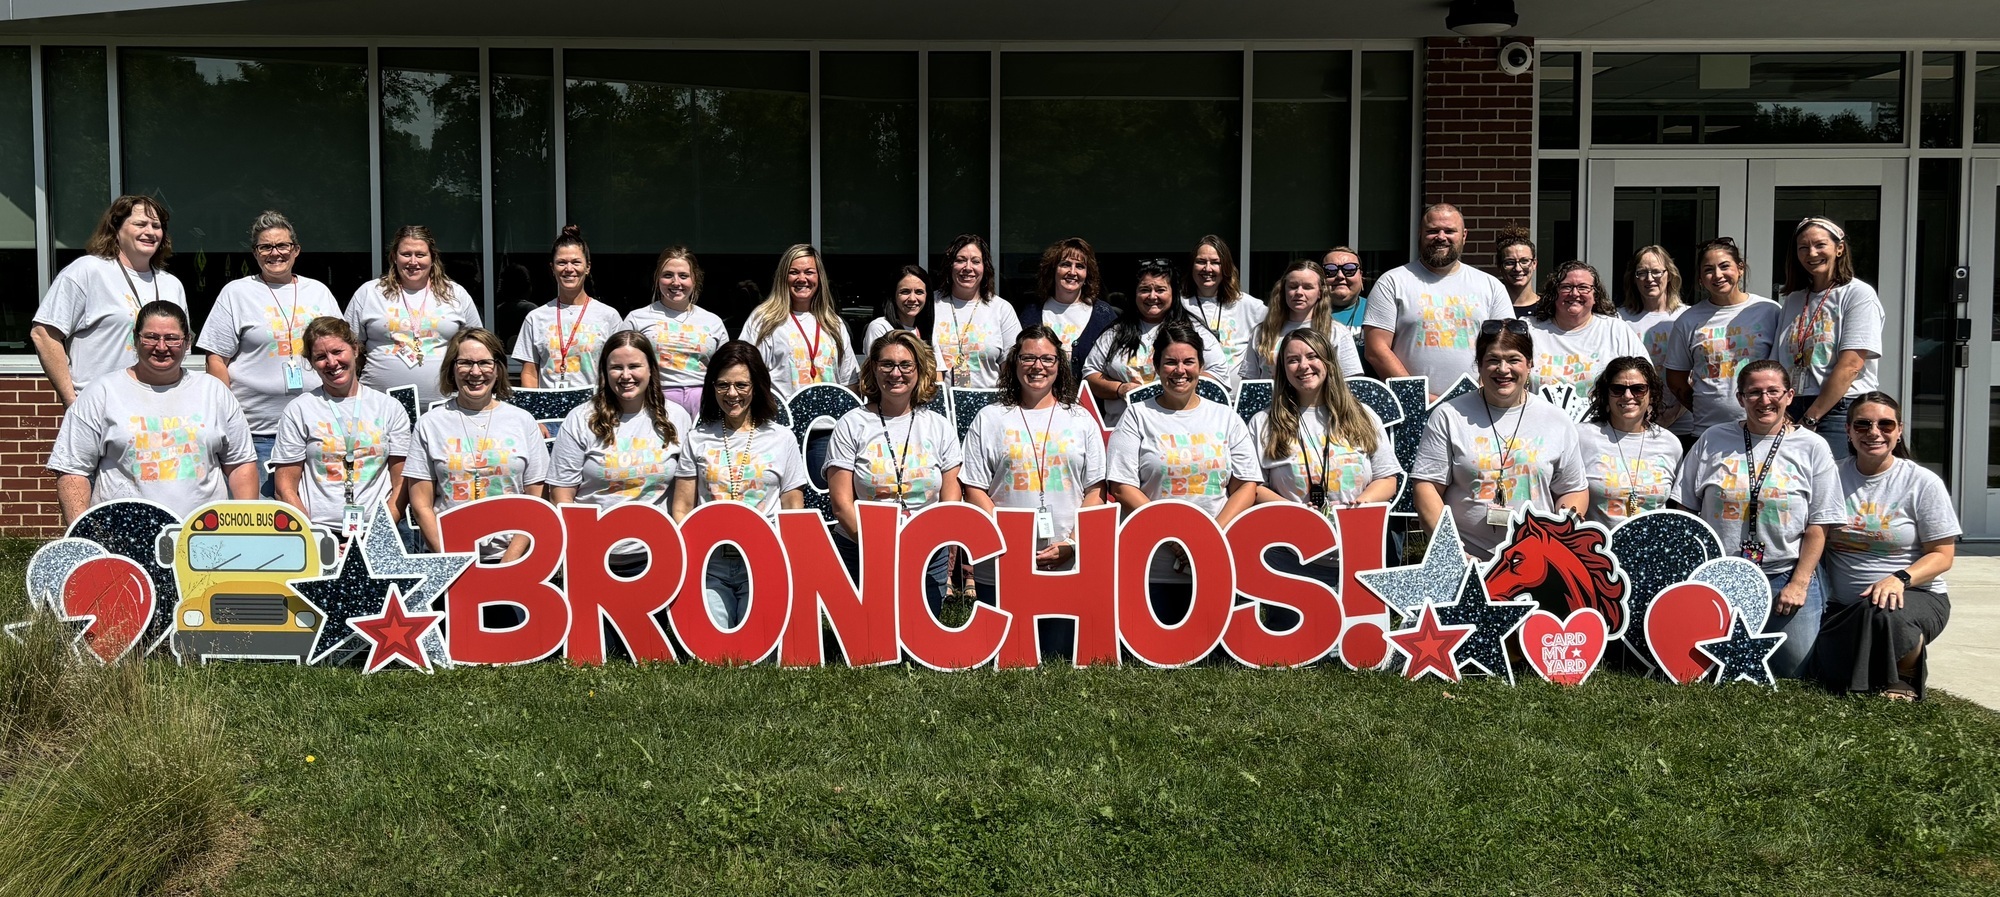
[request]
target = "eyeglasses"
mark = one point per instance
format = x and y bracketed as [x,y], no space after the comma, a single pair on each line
[1576,289]
[1636,390]
[1511,325]
[1047,361]
[274,248]
[467,364]
[1518,264]
[1650,274]
[896,367]
[162,339]
[733,388]
[1885,425]
[1347,269]
[1768,393]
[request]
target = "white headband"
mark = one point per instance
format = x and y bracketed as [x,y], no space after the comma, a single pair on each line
[1839,236]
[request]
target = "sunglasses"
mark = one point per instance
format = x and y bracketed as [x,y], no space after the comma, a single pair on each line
[1348,269]
[1161,264]
[1638,390]
[1511,325]
[1886,425]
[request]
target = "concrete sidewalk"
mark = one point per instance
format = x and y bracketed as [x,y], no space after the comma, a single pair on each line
[1966,659]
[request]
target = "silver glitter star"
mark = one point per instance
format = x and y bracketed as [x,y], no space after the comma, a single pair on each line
[383,549]
[1435,581]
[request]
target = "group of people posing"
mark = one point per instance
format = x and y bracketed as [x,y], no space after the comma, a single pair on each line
[1763,419]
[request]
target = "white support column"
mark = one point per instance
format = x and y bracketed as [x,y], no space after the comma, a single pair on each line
[116,154]
[923,155]
[993,153]
[1243,187]
[44,243]
[487,276]
[375,235]
[813,86]
[559,141]
[1353,235]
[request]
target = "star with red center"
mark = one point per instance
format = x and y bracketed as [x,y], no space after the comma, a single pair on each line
[393,633]
[1429,646]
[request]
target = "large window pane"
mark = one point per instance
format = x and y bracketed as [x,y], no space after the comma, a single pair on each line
[1139,153]
[1941,126]
[524,184]
[1986,106]
[1556,80]
[1858,208]
[1733,98]
[18,274]
[868,172]
[79,145]
[1388,107]
[1300,146]
[1676,219]
[220,135]
[1555,213]
[707,149]
[430,154]
[1933,388]
[961,150]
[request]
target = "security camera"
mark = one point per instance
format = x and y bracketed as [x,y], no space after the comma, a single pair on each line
[1516,58]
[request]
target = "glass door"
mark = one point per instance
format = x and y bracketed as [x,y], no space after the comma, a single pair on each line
[1977,485]
[1675,204]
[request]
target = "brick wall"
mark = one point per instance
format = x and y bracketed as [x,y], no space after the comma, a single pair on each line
[1479,151]
[29,417]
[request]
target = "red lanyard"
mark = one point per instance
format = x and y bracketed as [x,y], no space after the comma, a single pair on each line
[812,344]
[570,342]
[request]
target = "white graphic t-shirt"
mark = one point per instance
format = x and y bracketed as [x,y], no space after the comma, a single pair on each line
[899,459]
[637,465]
[682,340]
[1346,357]
[800,352]
[1577,356]
[260,327]
[92,302]
[468,456]
[1889,517]
[1436,317]
[1710,343]
[972,338]
[1044,458]
[166,444]
[756,468]
[1136,366]
[1234,324]
[1655,330]
[1190,454]
[1815,327]
[1716,480]
[1507,457]
[563,342]
[1068,321]
[1628,472]
[405,335]
[341,441]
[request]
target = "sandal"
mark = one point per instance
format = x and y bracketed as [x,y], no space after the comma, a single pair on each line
[1900,692]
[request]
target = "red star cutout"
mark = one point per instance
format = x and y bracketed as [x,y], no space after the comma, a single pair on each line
[1429,646]
[393,633]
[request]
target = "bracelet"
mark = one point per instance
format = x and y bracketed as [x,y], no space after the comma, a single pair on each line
[1903,576]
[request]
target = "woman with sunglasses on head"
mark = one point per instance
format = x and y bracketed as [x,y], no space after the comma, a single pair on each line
[254,336]
[973,326]
[908,308]
[1515,254]
[1036,449]
[1178,445]
[1781,479]
[1629,459]
[893,448]
[1219,302]
[340,445]
[739,453]
[1652,305]
[683,334]
[1576,331]
[1829,330]
[1121,359]
[558,343]
[628,443]
[153,431]
[82,331]
[1299,299]
[1070,288]
[1885,562]
[408,316]
[475,445]
[1711,341]
[1489,452]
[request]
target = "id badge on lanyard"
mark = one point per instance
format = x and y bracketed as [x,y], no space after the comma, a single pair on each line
[1498,515]
[295,377]
[1045,524]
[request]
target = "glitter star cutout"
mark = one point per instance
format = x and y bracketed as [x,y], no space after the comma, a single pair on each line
[394,635]
[1493,625]
[1413,394]
[1742,656]
[350,592]
[1435,581]
[1429,646]
[383,549]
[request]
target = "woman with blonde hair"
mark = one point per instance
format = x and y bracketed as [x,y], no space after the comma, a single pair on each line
[83,329]
[1299,300]
[1652,305]
[684,335]
[407,317]
[799,332]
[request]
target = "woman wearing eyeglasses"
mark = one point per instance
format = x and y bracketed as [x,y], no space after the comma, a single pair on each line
[1299,299]
[1629,459]
[255,334]
[1035,449]
[1885,562]
[1576,332]
[908,308]
[1652,304]
[407,317]
[892,448]
[1489,452]
[558,343]
[83,328]
[152,431]
[1178,445]
[1517,269]
[683,334]
[1070,288]
[973,326]
[628,443]
[1219,302]
[740,453]
[1780,479]
[1711,341]
[1829,330]
[475,445]
[1121,360]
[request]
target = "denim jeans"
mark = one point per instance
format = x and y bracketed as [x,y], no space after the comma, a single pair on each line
[267,485]
[1801,627]
[726,588]
[1832,427]
[850,557]
[816,445]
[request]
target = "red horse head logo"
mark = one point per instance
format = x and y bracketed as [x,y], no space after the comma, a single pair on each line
[1562,565]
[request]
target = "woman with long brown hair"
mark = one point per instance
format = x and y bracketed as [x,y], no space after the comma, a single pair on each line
[407,318]
[83,328]
[628,443]
[1829,330]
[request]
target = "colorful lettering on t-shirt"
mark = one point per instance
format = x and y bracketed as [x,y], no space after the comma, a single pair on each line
[1635,486]
[286,330]
[1450,321]
[635,464]
[1726,347]
[333,445]
[962,345]
[1022,458]
[677,344]
[166,449]
[1774,502]
[582,355]
[480,466]
[1869,529]
[921,478]
[803,362]
[1508,477]
[414,332]
[752,472]
[1811,335]
[1193,464]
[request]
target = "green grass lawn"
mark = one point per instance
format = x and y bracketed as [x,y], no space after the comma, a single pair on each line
[549,779]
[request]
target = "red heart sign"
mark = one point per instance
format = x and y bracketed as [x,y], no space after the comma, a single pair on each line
[116,596]
[1564,652]
[1680,617]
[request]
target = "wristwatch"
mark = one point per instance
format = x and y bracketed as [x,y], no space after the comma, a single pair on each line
[1810,423]
[1903,575]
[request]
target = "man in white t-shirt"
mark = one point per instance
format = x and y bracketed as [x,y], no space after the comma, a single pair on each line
[1422,318]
